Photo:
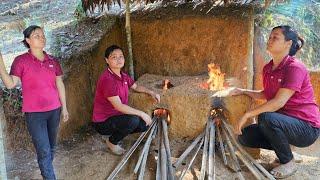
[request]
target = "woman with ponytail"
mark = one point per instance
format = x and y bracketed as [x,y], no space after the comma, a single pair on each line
[290,116]
[43,92]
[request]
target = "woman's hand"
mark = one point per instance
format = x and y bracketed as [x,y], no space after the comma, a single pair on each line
[65,114]
[146,118]
[240,124]
[236,91]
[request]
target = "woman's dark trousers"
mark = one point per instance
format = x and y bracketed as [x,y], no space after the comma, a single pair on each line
[277,132]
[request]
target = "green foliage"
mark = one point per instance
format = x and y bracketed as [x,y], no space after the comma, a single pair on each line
[80,12]
[13,98]
[302,15]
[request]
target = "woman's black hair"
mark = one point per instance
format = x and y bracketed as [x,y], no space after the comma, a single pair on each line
[290,34]
[27,32]
[110,49]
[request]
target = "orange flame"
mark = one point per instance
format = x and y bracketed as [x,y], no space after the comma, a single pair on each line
[162,113]
[216,77]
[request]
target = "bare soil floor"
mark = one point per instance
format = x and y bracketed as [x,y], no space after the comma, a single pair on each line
[86,157]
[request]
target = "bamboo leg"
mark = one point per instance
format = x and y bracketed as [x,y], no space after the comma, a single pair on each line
[129,153]
[167,148]
[205,152]
[233,156]
[145,148]
[192,160]
[187,151]
[211,152]
[262,169]
[222,147]
[163,157]
[158,173]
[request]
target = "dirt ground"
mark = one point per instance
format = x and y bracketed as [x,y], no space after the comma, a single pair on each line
[85,156]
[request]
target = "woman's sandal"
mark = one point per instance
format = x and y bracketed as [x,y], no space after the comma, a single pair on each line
[270,166]
[283,171]
[115,149]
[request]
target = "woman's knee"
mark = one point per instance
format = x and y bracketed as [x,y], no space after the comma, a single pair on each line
[266,119]
[133,121]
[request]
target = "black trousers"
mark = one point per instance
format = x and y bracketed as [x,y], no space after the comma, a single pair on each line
[118,127]
[276,132]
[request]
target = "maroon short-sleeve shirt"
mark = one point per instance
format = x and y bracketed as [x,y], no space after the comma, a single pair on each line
[292,74]
[109,84]
[38,79]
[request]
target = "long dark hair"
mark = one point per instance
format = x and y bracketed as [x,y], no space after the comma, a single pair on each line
[27,32]
[290,34]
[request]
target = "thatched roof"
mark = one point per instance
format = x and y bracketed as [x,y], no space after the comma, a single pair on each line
[91,4]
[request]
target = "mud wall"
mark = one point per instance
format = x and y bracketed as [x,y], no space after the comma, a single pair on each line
[82,72]
[180,41]
[315,80]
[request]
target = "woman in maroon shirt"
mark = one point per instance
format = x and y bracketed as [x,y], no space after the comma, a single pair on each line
[43,92]
[111,114]
[290,114]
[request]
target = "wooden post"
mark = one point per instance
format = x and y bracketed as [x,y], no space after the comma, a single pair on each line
[250,67]
[129,39]
[3,172]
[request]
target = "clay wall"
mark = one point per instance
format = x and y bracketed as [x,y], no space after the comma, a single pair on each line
[177,42]
[83,71]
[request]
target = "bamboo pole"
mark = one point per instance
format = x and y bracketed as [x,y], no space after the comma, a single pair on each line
[163,156]
[129,39]
[158,172]
[224,157]
[167,148]
[235,142]
[211,152]
[143,165]
[205,152]
[129,153]
[252,168]
[145,157]
[233,156]
[192,160]
[145,148]
[187,151]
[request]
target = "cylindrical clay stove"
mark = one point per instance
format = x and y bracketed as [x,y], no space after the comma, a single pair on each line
[189,104]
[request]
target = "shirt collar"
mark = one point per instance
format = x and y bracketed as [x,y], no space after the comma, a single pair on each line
[114,74]
[282,63]
[46,56]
